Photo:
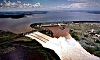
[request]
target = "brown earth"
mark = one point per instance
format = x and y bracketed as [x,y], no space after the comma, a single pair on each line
[57,32]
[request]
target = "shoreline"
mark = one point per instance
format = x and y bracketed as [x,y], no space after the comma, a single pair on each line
[22,28]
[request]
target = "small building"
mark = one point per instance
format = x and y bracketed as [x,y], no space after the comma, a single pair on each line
[92,31]
[97,35]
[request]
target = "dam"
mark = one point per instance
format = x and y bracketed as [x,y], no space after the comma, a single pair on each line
[65,48]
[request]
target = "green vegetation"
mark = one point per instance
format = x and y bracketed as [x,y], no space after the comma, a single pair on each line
[33,45]
[82,33]
[42,30]
[98,32]
[4,36]
[74,35]
[9,39]
[79,31]
[7,36]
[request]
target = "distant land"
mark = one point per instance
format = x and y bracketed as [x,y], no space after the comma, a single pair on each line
[19,14]
[19,21]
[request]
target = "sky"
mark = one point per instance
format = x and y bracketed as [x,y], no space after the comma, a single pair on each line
[7,5]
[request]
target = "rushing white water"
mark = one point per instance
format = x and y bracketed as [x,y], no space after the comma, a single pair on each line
[69,49]
[66,49]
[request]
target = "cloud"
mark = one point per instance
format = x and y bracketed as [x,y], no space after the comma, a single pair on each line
[37,5]
[77,1]
[19,4]
[5,1]
[84,5]
[8,3]
[81,4]
[62,6]
[70,4]
[73,5]
[86,1]
[77,5]
[1,4]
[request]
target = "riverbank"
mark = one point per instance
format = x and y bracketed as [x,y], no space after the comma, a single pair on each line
[82,32]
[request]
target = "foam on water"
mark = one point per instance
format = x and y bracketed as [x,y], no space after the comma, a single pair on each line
[69,49]
[65,48]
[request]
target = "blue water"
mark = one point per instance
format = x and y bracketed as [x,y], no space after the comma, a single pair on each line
[56,16]
[51,16]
